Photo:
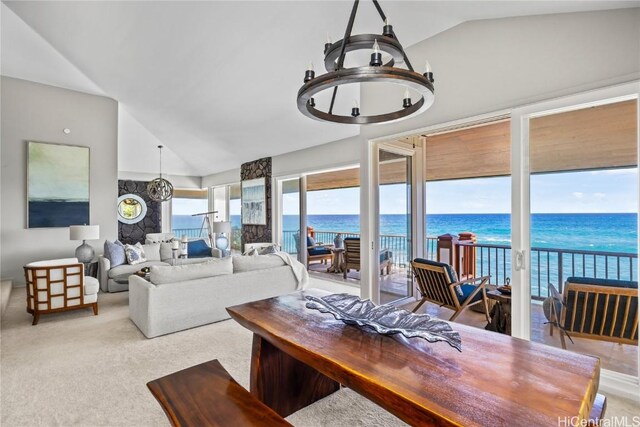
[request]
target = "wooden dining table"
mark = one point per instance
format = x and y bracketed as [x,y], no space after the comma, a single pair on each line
[301,355]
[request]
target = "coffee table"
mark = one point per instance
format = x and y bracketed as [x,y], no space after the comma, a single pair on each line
[123,279]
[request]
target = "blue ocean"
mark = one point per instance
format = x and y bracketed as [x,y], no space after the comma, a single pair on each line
[612,232]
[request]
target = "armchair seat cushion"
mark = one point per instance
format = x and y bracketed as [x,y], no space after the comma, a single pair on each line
[319,251]
[91,285]
[467,290]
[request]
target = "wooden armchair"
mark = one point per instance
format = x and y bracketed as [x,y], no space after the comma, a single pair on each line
[599,309]
[59,285]
[352,256]
[438,283]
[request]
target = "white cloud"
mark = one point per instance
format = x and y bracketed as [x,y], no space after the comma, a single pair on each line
[578,194]
[599,195]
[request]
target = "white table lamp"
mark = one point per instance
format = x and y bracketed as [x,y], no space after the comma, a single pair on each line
[221,228]
[84,252]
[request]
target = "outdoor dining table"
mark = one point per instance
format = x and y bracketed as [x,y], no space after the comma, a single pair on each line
[301,355]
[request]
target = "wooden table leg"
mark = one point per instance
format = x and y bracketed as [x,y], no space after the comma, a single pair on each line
[284,383]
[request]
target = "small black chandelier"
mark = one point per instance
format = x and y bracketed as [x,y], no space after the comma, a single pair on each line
[376,71]
[160,190]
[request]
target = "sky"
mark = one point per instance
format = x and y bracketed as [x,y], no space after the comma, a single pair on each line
[613,190]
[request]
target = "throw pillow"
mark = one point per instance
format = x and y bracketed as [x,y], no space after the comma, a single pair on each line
[135,254]
[251,252]
[271,249]
[198,249]
[166,251]
[114,252]
[152,251]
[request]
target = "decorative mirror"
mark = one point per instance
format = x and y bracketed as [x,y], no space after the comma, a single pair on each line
[131,209]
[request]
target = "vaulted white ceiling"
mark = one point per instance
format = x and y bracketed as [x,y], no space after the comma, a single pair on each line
[215,82]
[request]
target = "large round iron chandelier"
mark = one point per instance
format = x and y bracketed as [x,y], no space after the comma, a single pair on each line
[376,71]
[160,190]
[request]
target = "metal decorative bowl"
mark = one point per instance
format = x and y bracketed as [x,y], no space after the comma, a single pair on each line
[385,319]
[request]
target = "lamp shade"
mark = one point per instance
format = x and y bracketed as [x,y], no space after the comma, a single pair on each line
[84,232]
[221,227]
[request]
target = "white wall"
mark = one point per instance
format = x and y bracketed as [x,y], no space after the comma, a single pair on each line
[36,112]
[485,66]
[222,178]
[178,181]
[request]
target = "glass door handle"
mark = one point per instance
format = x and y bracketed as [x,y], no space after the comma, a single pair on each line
[519,260]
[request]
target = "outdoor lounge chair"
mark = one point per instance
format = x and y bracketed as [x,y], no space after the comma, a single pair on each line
[315,252]
[438,283]
[352,257]
[599,309]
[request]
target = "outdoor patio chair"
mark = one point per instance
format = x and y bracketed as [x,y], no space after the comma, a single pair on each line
[599,309]
[438,283]
[315,252]
[352,257]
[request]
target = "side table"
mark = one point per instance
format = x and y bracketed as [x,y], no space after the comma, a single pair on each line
[337,260]
[500,313]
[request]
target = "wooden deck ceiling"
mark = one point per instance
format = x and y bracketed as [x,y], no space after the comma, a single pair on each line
[602,137]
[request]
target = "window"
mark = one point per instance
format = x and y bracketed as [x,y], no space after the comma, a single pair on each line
[184,204]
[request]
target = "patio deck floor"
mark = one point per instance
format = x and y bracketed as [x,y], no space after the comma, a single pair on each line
[621,358]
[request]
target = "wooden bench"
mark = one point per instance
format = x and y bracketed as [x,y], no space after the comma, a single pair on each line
[206,395]
[598,410]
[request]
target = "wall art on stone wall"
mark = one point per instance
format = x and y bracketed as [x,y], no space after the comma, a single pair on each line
[254,202]
[135,231]
[57,185]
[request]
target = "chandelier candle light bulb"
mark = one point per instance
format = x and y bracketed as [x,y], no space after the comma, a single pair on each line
[387,30]
[376,56]
[428,73]
[309,74]
[355,111]
[406,102]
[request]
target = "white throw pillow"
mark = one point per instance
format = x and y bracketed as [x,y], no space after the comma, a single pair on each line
[251,263]
[166,251]
[135,254]
[161,275]
[152,251]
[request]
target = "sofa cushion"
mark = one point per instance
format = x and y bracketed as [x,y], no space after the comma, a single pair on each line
[114,252]
[166,251]
[130,269]
[161,275]
[259,262]
[152,251]
[187,261]
[91,285]
[135,254]
[467,290]
[198,249]
[453,277]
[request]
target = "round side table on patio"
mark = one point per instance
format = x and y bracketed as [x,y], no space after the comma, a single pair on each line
[504,301]
[337,261]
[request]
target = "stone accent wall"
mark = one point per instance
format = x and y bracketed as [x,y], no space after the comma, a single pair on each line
[152,222]
[258,169]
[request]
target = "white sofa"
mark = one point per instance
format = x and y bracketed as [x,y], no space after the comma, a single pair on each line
[165,304]
[158,250]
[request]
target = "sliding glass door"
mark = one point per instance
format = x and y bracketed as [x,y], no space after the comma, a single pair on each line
[575,227]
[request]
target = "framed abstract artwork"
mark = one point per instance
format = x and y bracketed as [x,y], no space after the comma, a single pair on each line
[57,185]
[254,209]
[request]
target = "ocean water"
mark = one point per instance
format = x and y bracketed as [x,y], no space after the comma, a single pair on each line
[611,232]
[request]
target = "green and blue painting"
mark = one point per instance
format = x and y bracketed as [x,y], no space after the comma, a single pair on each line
[58,185]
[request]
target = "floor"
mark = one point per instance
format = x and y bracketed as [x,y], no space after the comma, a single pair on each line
[76,369]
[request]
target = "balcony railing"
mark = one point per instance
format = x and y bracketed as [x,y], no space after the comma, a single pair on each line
[548,265]
[397,244]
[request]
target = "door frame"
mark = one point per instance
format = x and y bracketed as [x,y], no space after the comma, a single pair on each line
[615,382]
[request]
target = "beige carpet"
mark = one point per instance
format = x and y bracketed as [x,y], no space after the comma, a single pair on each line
[78,369]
